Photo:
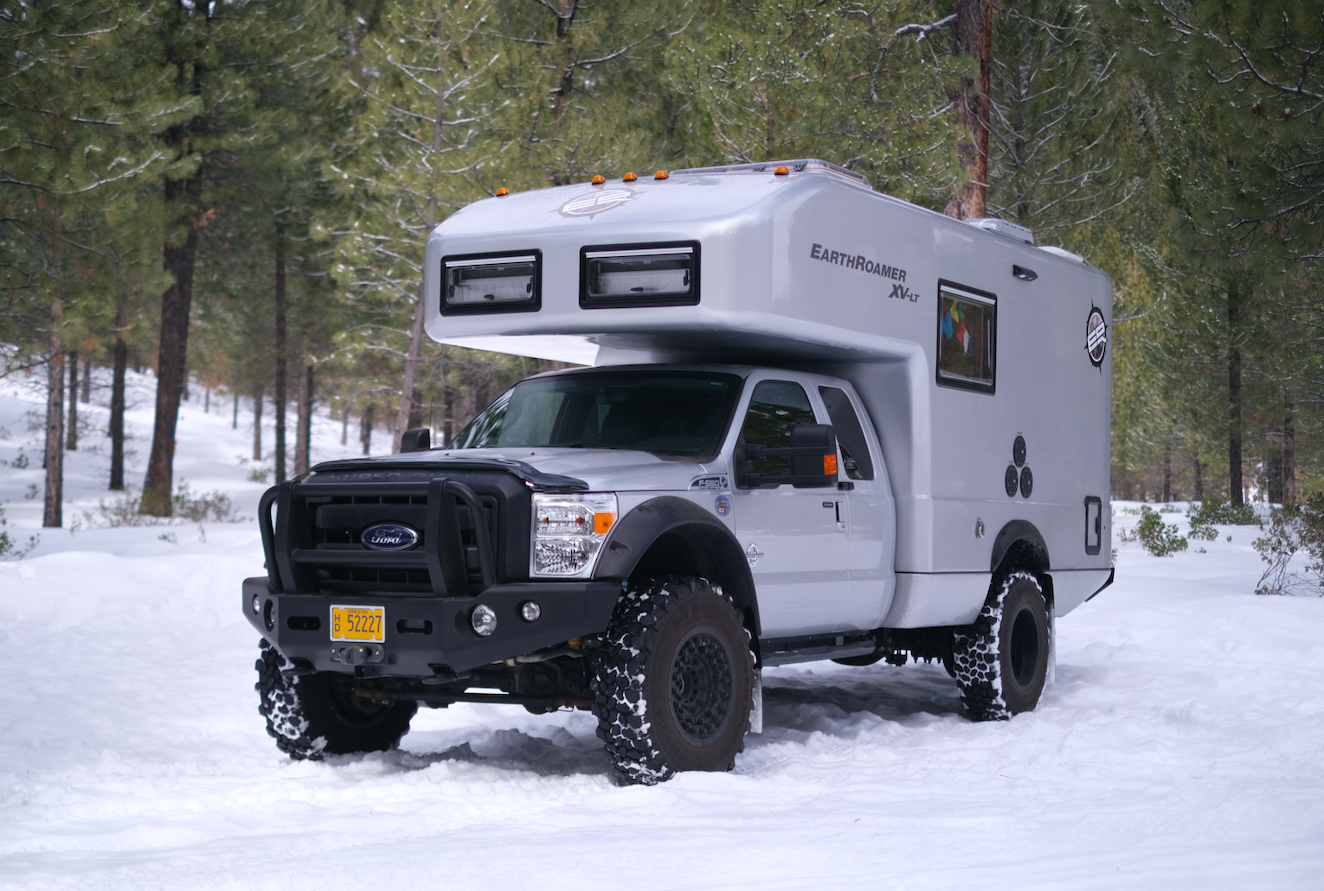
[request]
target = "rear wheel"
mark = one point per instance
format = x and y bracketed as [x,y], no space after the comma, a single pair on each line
[674,681]
[326,713]
[1001,661]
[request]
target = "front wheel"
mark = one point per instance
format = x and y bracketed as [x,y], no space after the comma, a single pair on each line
[674,681]
[326,713]
[1001,661]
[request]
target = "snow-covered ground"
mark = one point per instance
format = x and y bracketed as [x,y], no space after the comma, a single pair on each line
[1182,745]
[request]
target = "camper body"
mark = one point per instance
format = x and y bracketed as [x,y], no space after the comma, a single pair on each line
[842,425]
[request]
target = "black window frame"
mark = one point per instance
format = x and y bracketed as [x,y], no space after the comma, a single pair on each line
[588,302]
[846,427]
[957,383]
[469,309]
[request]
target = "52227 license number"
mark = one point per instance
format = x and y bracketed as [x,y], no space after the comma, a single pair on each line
[358,623]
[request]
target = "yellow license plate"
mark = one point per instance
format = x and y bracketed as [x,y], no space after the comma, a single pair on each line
[358,623]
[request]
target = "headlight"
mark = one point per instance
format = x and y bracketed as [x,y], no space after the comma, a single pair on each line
[568,531]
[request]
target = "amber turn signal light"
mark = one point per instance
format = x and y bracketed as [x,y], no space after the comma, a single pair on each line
[598,180]
[781,171]
[661,174]
[502,192]
[829,465]
[629,177]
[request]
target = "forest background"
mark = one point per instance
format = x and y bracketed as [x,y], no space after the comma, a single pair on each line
[236,194]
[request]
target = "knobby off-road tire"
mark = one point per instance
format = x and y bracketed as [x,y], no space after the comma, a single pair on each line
[674,681]
[324,713]
[1001,661]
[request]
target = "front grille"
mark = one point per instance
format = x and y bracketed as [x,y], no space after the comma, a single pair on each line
[317,544]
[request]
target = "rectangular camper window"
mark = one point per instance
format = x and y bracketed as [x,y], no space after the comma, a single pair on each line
[616,276]
[476,283]
[967,327]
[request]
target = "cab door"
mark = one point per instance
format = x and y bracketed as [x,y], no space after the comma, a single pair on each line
[795,539]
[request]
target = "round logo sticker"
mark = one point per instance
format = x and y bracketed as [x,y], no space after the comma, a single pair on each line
[722,505]
[1096,336]
[595,202]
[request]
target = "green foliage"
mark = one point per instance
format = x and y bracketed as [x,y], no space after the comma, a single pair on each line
[1292,530]
[1159,538]
[1222,512]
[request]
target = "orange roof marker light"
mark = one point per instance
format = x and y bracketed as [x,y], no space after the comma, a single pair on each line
[502,192]
[781,171]
[629,177]
[661,174]
[598,180]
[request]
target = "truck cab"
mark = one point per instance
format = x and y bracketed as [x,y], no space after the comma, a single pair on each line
[813,422]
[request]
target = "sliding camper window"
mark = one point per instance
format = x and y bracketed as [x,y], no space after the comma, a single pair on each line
[481,283]
[967,337]
[623,275]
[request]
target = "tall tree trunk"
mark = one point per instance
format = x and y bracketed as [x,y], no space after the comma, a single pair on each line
[117,404]
[365,428]
[71,438]
[411,373]
[87,378]
[448,423]
[180,254]
[1167,471]
[303,442]
[1234,394]
[344,425]
[234,422]
[52,514]
[279,397]
[1289,456]
[1273,469]
[416,413]
[974,38]
[1199,479]
[257,423]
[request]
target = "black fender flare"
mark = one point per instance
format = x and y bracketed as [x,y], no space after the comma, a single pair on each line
[637,531]
[1034,551]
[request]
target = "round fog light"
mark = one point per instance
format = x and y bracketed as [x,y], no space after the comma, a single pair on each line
[530,611]
[483,621]
[257,604]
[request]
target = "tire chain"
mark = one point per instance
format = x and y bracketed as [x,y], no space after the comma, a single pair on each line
[281,707]
[619,703]
[975,654]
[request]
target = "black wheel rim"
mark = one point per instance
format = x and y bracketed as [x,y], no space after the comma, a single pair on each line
[1024,649]
[700,687]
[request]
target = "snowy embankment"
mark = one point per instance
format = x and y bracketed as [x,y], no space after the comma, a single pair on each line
[1182,744]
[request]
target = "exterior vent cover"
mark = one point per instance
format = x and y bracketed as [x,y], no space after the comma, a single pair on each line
[1002,227]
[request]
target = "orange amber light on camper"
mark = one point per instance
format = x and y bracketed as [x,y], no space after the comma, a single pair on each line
[829,465]
[598,180]
[629,177]
[602,522]
[502,192]
[781,171]
[661,174]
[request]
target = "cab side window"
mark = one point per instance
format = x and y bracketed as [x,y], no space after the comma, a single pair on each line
[855,458]
[775,408]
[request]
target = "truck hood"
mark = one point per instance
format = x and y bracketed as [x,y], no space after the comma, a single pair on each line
[600,470]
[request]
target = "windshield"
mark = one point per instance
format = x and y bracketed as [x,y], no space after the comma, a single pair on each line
[682,413]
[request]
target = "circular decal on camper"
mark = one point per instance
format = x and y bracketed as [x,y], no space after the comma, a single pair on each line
[722,505]
[1096,336]
[595,202]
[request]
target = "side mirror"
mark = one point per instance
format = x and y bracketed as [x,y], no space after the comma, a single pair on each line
[816,465]
[416,439]
[813,454]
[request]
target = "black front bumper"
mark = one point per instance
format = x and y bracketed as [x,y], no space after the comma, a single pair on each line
[429,636]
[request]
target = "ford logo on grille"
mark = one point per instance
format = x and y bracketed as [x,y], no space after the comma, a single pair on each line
[389,537]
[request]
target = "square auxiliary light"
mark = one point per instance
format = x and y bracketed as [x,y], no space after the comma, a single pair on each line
[479,283]
[624,275]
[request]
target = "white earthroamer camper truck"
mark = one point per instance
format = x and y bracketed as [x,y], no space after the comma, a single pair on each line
[816,423]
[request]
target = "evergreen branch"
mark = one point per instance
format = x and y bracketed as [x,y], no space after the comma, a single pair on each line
[924,30]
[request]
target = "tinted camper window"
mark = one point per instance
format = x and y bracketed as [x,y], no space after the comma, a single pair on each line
[967,323]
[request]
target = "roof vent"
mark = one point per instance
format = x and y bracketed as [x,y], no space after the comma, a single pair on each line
[1002,227]
[797,166]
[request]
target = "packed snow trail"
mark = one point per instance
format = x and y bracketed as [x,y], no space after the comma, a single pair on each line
[1181,745]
